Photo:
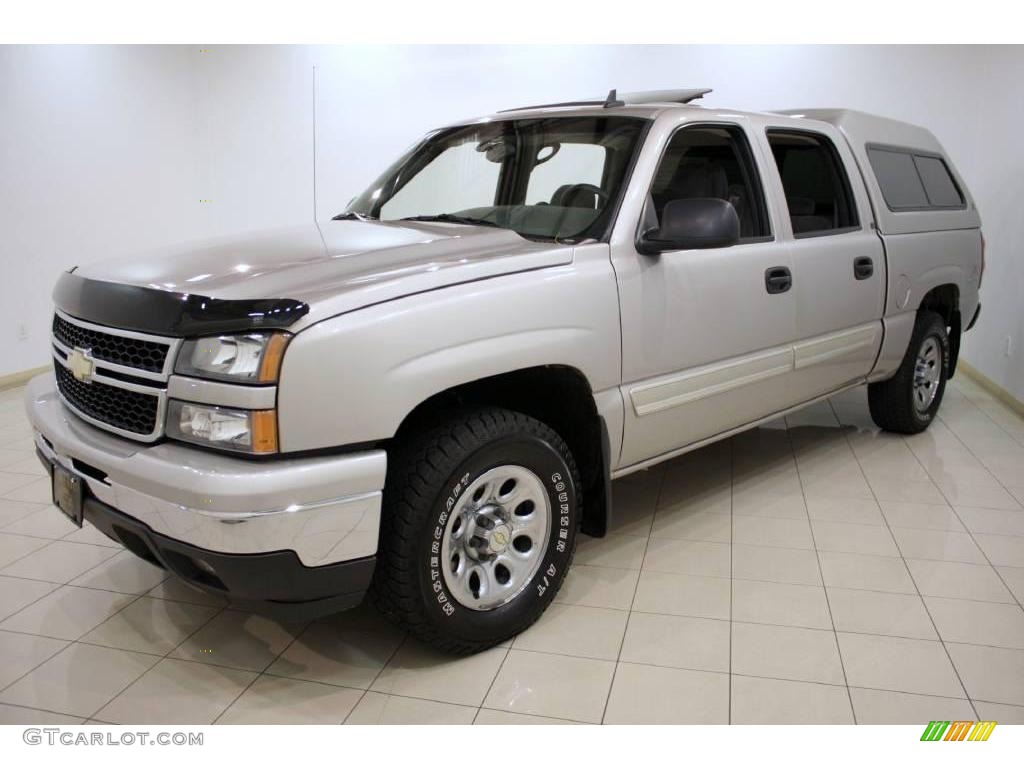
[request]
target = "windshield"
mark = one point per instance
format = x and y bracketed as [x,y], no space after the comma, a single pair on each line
[551,178]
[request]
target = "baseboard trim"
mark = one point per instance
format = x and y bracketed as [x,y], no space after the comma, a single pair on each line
[991,387]
[21,377]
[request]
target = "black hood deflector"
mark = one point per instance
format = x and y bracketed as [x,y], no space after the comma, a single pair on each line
[167,313]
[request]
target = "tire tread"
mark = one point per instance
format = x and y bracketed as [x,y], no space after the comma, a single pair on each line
[418,469]
[889,401]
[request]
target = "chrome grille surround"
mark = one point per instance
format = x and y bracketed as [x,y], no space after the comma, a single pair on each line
[125,377]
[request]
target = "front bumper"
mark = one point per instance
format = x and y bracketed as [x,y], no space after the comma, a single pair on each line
[283,515]
[273,583]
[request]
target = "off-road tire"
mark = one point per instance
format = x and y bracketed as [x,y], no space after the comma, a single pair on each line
[892,401]
[425,475]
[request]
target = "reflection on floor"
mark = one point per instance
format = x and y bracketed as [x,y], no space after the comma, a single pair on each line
[810,571]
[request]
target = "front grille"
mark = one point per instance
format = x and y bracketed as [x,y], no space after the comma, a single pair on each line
[122,408]
[120,350]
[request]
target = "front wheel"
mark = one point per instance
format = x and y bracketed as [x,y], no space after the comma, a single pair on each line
[908,401]
[478,528]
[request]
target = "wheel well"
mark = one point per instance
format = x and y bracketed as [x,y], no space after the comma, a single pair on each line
[561,397]
[945,300]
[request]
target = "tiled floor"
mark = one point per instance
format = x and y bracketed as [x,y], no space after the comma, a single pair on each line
[812,571]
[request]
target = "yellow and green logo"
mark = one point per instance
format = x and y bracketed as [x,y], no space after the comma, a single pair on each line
[958,730]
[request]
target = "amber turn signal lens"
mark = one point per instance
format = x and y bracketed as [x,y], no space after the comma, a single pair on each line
[264,431]
[273,354]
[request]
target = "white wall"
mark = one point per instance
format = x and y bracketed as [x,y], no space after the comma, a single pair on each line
[94,161]
[109,150]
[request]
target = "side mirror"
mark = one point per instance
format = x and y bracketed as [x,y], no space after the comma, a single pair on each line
[697,222]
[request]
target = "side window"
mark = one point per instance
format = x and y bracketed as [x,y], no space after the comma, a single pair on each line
[816,185]
[897,176]
[563,166]
[914,181]
[938,182]
[710,161]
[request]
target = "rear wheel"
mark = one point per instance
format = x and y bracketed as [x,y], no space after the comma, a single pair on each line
[908,401]
[478,528]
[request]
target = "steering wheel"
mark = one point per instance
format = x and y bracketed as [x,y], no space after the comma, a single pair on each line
[572,190]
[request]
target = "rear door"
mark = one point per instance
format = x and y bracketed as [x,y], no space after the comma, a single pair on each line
[838,259]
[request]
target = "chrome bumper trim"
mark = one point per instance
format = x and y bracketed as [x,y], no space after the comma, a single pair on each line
[325,509]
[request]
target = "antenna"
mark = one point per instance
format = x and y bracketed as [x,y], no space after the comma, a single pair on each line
[612,100]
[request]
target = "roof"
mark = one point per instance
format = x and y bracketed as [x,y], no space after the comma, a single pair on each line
[868,128]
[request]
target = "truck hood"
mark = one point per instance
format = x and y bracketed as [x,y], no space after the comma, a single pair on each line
[336,266]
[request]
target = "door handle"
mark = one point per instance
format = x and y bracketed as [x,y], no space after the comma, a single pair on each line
[863,267]
[778,279]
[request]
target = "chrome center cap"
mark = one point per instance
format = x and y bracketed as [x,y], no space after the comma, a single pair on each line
[499,539]
[489,532]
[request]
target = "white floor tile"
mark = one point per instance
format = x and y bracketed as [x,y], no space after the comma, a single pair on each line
[990,674]
[967,621]
[760,701]
[677,641]
[576,630]
[281,701]
[701,596]
[237,639]
[552,686]
[349,649]
[891,708]
[792,566]
[59,562]
[424,673]
[898,664]
[763,602]
[384,709]
[657,696]
[880,613]
[16,594]
[149,625]
[599,587]
[78,680]
[967,581]
[177,692]
[67,613]
[790,653]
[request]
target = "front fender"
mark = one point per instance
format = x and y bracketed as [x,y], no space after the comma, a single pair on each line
[355,377]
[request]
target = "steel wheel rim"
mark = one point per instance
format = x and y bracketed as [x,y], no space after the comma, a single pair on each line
[496,537]
[927,374]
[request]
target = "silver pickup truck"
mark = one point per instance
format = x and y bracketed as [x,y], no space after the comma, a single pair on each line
[427,397]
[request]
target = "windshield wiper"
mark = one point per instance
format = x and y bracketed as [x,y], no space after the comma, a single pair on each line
[452,218]
[353,216]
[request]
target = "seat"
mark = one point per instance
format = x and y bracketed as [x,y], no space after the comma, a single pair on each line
[803,218]
[693,177]
[575,196]
[738,198]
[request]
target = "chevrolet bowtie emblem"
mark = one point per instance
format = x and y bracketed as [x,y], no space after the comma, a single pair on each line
[81,364]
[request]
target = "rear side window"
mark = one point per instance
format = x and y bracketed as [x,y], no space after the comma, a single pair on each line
[816,185]
[938,182]
[913,181]
[898,177]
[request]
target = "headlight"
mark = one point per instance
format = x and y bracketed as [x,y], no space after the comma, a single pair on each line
[230,429]
[248,358]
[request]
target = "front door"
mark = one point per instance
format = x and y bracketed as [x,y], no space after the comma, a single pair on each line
[706,334]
